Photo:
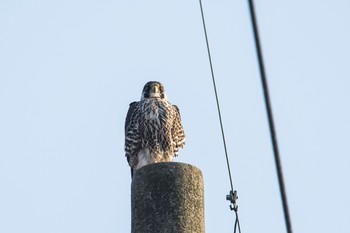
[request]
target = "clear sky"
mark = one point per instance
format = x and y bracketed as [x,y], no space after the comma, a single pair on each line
[69,69]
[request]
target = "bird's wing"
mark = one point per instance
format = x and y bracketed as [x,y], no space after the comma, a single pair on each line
[131,134]
[131,110]
[178,130]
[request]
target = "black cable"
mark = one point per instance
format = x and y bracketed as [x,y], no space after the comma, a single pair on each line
[233,194]
[270,118]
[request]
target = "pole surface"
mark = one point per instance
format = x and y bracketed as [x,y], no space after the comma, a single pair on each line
[167,198]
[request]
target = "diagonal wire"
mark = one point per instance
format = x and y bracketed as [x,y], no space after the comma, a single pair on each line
[216,95]
[270,118]
[237,223]
[233,194]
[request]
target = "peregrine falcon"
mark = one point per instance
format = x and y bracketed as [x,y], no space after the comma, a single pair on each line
[153,129]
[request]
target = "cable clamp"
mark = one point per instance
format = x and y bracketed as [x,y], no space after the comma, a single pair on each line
[232,197]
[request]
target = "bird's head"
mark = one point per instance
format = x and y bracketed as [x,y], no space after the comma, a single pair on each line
[153,89]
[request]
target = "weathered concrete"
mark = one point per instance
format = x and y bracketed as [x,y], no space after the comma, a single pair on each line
[167,198]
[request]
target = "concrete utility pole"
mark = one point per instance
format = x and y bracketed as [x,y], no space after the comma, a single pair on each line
[167,198]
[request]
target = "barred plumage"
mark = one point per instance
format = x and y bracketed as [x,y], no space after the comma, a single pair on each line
[153,129]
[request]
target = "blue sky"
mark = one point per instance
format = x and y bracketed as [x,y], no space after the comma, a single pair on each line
[69,69]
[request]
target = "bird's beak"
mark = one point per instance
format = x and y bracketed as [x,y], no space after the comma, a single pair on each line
[155,89]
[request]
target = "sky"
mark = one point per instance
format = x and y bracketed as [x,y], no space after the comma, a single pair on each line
[69,69]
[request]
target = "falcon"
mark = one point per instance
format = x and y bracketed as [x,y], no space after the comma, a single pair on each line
[153,129]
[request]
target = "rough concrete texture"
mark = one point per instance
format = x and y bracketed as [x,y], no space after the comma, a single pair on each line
[167,198]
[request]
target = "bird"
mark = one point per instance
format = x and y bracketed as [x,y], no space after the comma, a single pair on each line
[153,128]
